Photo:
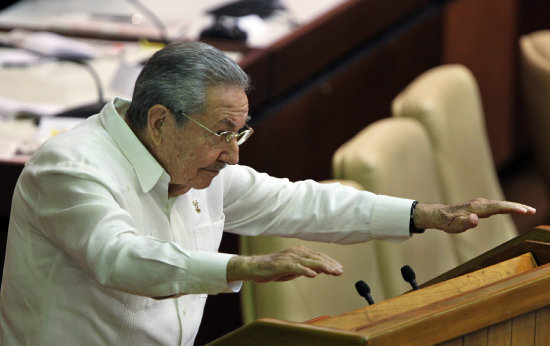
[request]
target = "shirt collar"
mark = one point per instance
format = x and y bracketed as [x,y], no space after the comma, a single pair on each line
[147,168]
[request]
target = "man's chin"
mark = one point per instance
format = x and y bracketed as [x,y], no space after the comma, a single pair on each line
[175,190]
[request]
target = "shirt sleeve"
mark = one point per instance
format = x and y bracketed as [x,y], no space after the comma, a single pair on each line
[255,203]
[72,208]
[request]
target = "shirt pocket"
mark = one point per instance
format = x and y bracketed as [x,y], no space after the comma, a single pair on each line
[209,236]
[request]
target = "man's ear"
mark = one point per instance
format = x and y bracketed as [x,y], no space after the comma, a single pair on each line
[156,119]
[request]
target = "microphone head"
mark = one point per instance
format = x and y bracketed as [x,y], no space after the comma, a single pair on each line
[408,273]
[362,288]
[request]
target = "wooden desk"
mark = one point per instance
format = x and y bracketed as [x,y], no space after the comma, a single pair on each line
[485,306]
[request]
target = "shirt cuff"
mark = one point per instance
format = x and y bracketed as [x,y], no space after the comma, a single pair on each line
[391,217]
[208,271]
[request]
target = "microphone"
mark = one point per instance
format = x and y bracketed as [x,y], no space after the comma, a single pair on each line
[409,276]
[364,291]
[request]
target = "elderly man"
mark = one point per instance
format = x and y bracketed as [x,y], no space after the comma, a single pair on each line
[116,224]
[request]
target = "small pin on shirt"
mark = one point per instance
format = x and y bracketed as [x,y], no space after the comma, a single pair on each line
[196,205]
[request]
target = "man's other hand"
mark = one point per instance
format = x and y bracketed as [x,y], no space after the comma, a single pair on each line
[282,266]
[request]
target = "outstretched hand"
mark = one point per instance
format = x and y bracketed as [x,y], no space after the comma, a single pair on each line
[457,218]
[282,266]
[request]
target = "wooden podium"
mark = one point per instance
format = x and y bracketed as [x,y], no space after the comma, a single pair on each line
[499,298]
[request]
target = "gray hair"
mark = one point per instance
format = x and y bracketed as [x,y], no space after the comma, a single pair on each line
[178,77]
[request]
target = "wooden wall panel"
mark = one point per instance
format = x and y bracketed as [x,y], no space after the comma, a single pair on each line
[500,334]
[528,329]
[296,139]
[523,329]
[542,327]
[313,47]
[477,338]
[317,45]
[454,342]
[481,34]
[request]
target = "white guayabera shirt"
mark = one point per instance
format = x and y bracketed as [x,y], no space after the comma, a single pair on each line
[93,235]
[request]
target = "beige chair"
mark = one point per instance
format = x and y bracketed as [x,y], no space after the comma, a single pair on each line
[447,102]
[375,156]
[395,157]
[535,87]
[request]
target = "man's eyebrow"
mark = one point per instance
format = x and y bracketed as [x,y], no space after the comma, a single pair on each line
[231,123]
[227,122]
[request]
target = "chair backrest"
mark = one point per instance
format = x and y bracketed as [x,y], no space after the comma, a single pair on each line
[535,87]
[395,157]
[446,100]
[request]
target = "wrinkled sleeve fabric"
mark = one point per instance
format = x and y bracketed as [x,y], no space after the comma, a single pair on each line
[257,204]
[75,208]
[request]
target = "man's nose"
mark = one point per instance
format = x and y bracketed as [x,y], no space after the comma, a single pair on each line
[230,154]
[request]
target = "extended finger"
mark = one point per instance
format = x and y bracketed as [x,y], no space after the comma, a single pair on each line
[277,269]
[320,266]
[318,261]
[485,208]
[517,207]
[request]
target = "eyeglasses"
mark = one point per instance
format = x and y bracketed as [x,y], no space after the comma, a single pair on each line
[227,135]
